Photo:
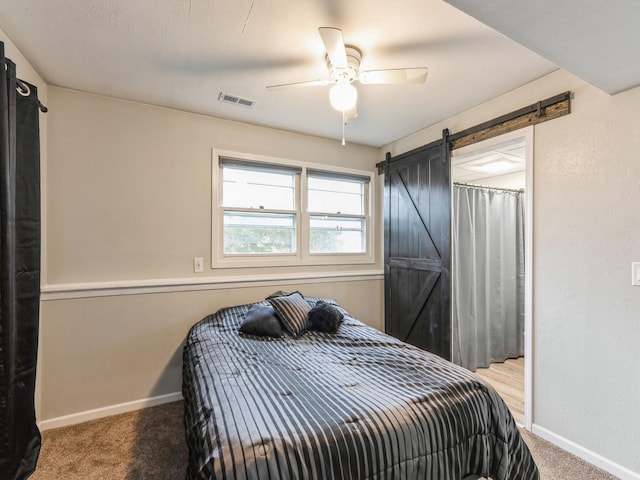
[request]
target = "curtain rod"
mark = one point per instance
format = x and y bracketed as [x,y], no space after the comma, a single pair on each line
[471,185]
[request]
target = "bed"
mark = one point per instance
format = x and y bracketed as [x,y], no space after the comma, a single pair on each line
[354,404]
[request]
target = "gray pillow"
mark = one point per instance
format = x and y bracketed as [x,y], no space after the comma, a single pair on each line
[292,310]
[324,317]
[261,320]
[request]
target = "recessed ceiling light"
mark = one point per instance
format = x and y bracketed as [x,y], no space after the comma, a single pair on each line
[493,166]
[493,162]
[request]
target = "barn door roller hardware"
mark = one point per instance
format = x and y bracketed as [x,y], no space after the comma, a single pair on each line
[533,114]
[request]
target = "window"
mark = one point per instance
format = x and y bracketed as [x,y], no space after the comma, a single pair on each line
[289,214]
[337,219]
[259,208]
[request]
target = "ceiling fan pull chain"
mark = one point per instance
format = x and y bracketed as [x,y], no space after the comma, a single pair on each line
[343,124]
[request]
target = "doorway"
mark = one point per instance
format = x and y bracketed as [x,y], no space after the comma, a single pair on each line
[504,164]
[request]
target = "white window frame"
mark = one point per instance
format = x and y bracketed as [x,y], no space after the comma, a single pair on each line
[302,256]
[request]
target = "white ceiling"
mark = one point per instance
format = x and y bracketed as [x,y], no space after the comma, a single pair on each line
[473,167]
[182,53]
[596,40]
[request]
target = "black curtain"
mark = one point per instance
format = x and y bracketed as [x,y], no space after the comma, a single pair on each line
[19,272]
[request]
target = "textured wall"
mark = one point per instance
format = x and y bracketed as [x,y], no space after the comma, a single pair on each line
[587,314]
[586,321]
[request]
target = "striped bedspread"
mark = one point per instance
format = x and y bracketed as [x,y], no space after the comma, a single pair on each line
[355,405]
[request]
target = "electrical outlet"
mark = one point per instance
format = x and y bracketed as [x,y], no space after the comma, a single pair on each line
[198,264]
[635,274]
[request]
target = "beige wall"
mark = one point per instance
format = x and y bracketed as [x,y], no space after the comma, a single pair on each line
[103,351]
[129,185]
[586,324]
[129,206]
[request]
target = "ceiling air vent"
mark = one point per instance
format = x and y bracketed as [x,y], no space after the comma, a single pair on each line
[243,102]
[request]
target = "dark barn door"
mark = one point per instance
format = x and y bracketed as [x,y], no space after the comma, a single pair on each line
[417,229]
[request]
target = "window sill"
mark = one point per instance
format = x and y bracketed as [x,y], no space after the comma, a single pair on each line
[291,261]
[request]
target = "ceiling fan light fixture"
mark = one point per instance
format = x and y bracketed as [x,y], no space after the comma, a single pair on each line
[343,96]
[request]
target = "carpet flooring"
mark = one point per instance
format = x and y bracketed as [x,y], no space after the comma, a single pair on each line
[149,444]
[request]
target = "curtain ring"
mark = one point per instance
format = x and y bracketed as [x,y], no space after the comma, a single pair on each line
[22,88]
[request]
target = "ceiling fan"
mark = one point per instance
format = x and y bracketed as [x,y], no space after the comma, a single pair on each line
[343,62]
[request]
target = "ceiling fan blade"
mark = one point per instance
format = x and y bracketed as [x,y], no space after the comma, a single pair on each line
[334,45]
[394,75]
[312,83]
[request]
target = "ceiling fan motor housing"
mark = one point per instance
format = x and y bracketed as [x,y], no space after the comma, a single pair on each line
[350,71]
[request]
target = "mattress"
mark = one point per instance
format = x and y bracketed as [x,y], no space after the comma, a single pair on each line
[358,404]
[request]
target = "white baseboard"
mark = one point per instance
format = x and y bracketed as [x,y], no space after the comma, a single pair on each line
[587,455]
[80,417]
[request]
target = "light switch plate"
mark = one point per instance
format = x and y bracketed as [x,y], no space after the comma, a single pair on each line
[635,274]
[198,264]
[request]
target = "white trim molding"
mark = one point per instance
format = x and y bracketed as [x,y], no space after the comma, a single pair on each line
[302,255]
[586,454]
[81,417]
[166,285]
[527,134]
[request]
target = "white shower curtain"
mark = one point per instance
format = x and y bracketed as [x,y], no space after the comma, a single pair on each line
[488,275]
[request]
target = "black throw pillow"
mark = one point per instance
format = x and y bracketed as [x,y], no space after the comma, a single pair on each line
[324,317]
[261,320]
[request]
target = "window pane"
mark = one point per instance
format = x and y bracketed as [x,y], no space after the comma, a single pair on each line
[256,233]
[330,195]
[337,235]
[244,188]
